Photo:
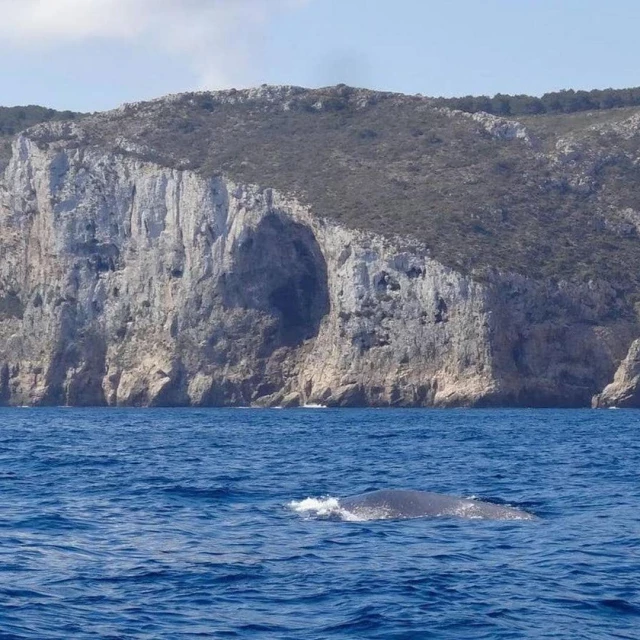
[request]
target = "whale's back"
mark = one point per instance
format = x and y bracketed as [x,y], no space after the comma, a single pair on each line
[406,503]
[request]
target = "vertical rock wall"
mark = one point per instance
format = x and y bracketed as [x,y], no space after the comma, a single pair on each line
[126,283]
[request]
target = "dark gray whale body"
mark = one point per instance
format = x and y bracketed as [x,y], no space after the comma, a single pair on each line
[401,503]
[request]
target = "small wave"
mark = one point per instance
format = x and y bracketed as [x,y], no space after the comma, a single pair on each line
[621,605]
[312,405]
[211,493]
[382,436]
[51,522]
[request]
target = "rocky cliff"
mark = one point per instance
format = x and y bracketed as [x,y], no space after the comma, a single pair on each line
[624,390]
[133,276]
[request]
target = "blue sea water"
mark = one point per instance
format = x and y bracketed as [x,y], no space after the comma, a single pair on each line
[178,524]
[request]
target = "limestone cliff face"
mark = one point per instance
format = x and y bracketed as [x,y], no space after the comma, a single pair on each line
[624,390]
[123,282]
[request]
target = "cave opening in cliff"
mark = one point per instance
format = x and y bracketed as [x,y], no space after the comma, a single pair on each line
[279,269]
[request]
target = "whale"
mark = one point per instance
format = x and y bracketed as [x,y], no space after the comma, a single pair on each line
[387,504]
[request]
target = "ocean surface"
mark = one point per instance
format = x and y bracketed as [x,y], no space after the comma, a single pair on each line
[158,523]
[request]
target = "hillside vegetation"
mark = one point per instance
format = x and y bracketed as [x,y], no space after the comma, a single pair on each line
[557,196]
[568,101]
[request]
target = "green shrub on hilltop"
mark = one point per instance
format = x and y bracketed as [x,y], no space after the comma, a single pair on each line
[567,101]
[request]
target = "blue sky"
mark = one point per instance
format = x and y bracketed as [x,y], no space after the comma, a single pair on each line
[96,54]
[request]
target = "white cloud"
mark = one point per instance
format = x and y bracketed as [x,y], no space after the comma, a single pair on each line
[220,39]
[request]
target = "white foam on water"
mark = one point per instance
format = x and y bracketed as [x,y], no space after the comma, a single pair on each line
[328,507]
[317,505]
[314,406]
